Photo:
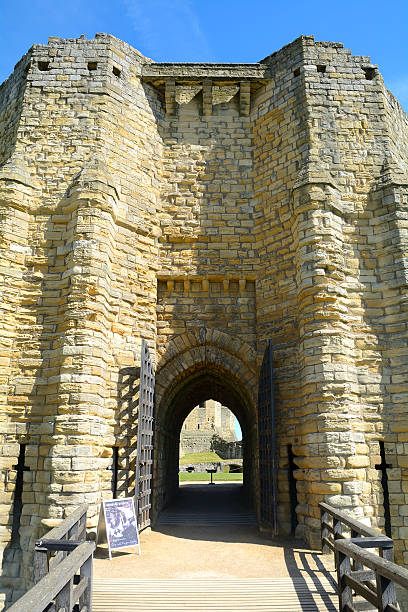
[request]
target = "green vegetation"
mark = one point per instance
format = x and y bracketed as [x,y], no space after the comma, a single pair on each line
[220,476]
[206,457]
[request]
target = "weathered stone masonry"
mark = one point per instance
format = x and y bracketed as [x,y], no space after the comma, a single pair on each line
[205,208]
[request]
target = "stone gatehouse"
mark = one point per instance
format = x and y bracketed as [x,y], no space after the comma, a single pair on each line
[206,208]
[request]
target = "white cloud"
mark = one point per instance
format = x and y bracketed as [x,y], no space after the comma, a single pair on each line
[169,29]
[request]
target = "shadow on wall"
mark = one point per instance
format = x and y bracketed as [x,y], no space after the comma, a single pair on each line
[124,468]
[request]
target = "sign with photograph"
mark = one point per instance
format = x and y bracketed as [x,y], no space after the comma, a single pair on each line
[120,523]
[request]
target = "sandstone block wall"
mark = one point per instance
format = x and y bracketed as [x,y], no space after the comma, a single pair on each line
[205,208]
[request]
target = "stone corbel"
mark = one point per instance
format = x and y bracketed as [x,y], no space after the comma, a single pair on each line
[207,97]
[244,98]
[170,96]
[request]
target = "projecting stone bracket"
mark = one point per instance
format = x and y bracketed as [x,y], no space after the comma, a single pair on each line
[167,77]
[244,98]
[240,286]
[207,97]
[170,96]
[208,101]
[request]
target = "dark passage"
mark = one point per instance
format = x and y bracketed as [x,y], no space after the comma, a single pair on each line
[209,505]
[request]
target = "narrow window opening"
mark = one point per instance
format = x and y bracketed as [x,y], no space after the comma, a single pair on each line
[369,73]
[382,468]
[116,71]
[43,66]
[296,72]
[18,494]
[115,469]
[321,68]
[92,66]
[292,491]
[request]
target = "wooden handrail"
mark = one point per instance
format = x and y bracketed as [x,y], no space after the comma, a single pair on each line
[346,519]
[59,532]
[71,529]
[53,585]
[385,568]
[375,584]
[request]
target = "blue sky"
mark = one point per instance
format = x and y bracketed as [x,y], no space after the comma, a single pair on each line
[215,30]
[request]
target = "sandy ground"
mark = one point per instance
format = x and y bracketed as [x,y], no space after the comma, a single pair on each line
[189,551]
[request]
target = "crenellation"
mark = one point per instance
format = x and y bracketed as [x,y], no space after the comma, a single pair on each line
[205,208]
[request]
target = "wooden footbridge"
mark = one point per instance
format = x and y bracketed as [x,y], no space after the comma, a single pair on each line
[364,580]
[233,595]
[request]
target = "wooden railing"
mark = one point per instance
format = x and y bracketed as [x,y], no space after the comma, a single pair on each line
[64,580]
[72,529]
[361,574]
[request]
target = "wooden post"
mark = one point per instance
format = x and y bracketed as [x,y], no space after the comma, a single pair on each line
[387,553]
[82,527]
[356,565]
[336,528]
[86,572]
[323,530]
[40,564]
[64,598]
[385,592]
[345,593]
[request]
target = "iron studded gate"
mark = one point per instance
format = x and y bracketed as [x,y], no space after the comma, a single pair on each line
[267,444]
[144,455]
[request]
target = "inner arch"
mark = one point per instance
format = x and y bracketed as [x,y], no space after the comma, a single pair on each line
[209,381]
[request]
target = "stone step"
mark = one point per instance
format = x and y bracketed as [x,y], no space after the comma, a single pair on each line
[205,519]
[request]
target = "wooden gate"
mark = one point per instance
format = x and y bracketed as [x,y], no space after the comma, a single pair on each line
[144,456]
[267,444]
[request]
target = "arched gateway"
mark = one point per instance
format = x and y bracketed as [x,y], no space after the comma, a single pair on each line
[200,365]
[208,209]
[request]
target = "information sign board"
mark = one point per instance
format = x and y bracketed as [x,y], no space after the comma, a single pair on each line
[120,523]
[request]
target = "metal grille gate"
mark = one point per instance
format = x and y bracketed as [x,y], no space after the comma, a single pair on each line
[144,456]
[267,444]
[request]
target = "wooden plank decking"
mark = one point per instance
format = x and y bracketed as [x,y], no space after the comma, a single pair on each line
[309,594]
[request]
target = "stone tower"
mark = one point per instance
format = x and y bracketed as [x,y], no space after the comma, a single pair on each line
[204,421]
[207,208]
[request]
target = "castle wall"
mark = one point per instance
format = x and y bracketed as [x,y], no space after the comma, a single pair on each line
[207,257]
[11,104]
[206,209]
[85,288]
[280,147]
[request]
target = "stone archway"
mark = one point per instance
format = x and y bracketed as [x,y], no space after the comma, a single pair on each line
[196,366]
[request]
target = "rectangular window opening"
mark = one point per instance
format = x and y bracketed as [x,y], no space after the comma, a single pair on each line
[43,66]
[116,71]
[92,66]
[296,72]
[370,73]
[321,68]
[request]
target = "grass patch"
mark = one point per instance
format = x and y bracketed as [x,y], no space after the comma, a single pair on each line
[219,477]
[207,457]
